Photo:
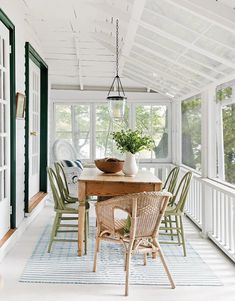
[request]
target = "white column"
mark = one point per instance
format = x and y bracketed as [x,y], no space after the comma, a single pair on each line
[209,133]
[176,132]
[208,155]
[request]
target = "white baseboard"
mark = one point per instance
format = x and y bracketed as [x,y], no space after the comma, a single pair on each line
[9,244]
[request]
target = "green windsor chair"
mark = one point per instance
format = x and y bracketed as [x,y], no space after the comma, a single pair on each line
[171,180]
[174,212]
[64,223]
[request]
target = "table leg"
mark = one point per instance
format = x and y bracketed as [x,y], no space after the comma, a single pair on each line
[81,218]
[157,187]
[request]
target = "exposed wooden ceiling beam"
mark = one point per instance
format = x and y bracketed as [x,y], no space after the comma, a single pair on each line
[151,85]
[203,34]
[157,54]
[197,61]
[187,44]
[139,71]
[164,74]
[177,73]
[76,41]
[200,9]
[137,10]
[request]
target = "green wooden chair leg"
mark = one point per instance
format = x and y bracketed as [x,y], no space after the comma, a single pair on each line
[182,235]
[171,229]
[177,230]
[58,222]
[87,223]
[53,232]
[166,221]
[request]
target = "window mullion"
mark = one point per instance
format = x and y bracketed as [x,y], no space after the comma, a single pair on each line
[93,131]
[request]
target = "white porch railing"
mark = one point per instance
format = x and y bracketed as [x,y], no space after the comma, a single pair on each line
[160,170]
[193,206]
[210,205]
[220,226]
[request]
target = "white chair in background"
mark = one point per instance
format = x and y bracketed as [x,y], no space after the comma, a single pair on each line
[63,150]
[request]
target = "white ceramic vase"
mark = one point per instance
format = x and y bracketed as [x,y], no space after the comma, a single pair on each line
[130,167]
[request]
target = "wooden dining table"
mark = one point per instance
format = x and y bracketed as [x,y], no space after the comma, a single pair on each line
[93,182]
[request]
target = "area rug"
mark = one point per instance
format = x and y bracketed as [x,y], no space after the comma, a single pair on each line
[63,265]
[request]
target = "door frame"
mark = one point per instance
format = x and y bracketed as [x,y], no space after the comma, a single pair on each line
[10,26]
[31,54]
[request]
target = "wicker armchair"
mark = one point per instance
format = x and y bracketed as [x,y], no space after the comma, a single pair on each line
[145,211]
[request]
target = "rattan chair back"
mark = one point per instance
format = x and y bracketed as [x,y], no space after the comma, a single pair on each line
[145,211]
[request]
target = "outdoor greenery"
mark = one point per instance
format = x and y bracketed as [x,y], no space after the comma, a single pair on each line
[228,113]
[224,93]
[191,132]
[226,106]
[73,123]
[132,141]
[105,145]
[153,121]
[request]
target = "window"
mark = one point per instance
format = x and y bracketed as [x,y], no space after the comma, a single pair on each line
[63,122]
[153,121]
[105,147]
[226,132]
[92,137]
[72,123]
[191,132]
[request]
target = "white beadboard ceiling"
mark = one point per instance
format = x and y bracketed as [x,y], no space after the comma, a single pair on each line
[173,47]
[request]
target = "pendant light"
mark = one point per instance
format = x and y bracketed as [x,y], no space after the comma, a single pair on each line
[117,102]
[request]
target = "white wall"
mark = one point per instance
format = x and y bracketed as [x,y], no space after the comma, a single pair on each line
[15,10]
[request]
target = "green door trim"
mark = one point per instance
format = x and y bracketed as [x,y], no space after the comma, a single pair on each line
[31,54]
[10,26]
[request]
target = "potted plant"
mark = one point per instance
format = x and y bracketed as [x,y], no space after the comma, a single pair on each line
[131,142]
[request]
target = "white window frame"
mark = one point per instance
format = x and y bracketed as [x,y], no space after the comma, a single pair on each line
[132,105]
[53,122]
[133,124]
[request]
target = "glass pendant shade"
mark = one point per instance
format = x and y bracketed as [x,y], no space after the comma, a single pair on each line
[117,106]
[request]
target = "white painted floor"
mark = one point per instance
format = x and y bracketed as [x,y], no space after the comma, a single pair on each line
[13,264]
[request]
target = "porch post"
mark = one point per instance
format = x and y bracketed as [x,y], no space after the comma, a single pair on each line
[208,156]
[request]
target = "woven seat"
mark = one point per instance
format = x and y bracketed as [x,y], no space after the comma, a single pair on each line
[144,211]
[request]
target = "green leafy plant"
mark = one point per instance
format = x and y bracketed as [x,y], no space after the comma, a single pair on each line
[224,93]
[132,141]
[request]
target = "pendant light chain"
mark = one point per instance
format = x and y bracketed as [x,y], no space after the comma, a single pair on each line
[117,81]
[117,45]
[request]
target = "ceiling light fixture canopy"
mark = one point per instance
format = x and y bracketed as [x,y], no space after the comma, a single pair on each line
[117,102]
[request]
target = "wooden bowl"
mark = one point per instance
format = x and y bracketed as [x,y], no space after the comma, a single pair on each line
[109,165]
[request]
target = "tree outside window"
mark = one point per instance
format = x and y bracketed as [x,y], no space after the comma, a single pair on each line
[153,121]
[226,132]
[191,132]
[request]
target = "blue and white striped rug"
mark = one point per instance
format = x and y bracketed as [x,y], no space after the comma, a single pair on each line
[63,265]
